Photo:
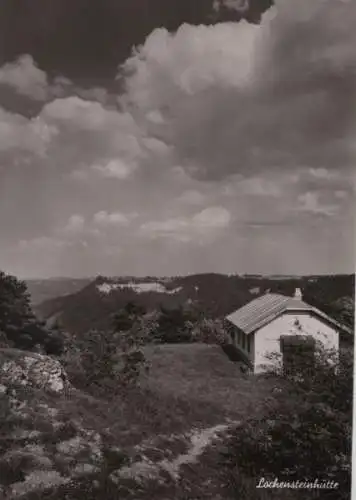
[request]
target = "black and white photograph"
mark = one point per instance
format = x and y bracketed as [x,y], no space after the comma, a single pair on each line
[177,249]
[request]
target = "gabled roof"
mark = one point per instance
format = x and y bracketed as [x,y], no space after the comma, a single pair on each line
[264,309]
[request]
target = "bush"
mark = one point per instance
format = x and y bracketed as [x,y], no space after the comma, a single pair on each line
[174,326]
[209,331]
[305,431]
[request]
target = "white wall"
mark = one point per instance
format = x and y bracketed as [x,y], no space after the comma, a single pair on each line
[267,339]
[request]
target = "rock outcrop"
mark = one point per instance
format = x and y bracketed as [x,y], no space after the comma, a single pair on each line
[32,370]
[41,446]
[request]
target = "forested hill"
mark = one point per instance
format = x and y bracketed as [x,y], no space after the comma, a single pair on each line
[45,289]
[208,295]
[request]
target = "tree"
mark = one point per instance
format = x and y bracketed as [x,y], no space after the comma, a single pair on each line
[98,356]
[209,331]
[112,361]
[132,332]
[174,326]
[18,323]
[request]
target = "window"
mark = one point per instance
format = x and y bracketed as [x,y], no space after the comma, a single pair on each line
[248,343]
[243,341]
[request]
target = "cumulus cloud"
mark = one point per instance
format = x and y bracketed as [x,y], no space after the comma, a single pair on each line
[78,246]
[340,194]
[309,202]
[36,257]
[116,169]
[237,5]
[322,173]
[169,67]
[25,77]
[78,136]
[191,197]
[220,99]
[252,121]
[42,243]
[202,224]
[76,113]
[239,97]
[212,217]
[103,218]
[96,225]
[75,224]
[19,134]
[259,186]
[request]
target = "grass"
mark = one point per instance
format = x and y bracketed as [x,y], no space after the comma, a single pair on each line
[203,374]
[188,386]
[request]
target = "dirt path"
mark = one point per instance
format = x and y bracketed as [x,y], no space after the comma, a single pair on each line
[199,442]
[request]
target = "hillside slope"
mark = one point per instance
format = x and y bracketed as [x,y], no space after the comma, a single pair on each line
[63,444]
[46,289]
[210,295]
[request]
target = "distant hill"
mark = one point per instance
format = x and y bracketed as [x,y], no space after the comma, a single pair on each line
[210,295]
[45,289]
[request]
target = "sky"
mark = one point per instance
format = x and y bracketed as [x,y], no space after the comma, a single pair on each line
[165,137]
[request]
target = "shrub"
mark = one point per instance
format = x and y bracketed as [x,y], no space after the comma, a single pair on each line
[174,326]
[305,431]
[209,331]
[110,362]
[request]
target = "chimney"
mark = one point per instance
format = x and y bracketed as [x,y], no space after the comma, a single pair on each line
[298,293]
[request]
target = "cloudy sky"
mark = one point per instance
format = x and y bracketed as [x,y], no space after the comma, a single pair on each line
[177,136]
